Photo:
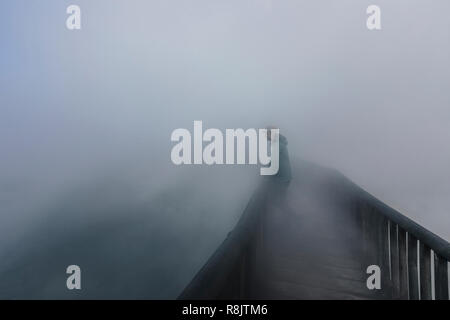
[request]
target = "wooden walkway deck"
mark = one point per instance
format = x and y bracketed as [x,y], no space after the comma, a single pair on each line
[307,240]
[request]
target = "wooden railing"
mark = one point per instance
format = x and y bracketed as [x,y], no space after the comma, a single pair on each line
[415,257]
[225,274]
[404,250]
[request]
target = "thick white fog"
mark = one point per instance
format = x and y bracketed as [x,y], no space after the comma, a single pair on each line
[97,106]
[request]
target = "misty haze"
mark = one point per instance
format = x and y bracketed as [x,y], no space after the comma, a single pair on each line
[86,119]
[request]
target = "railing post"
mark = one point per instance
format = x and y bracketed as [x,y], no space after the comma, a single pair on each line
[413,276]
[383,251]
[403,271]
[393,247]
[440,278]
[425,271]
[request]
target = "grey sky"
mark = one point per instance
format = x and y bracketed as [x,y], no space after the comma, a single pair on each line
[375,105]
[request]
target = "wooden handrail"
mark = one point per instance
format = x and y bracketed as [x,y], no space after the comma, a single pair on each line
[206,284]
[436,243]
[409,248]
[394,242]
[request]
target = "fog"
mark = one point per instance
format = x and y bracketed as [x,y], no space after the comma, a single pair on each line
[86,118]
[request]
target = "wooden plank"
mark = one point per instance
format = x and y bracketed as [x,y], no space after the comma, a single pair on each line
[368,231]
[403,264]
[413,276]
[393,247]
[440,278]
[363,225]
[425,271]
[383,251]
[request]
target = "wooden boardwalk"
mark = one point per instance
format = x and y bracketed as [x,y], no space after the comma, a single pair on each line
[311,239]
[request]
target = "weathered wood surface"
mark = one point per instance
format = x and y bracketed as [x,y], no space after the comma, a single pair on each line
[440,278]
[413,275]
[425,272]
[314,239]
[303,243]
[395,268]
[403,265]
